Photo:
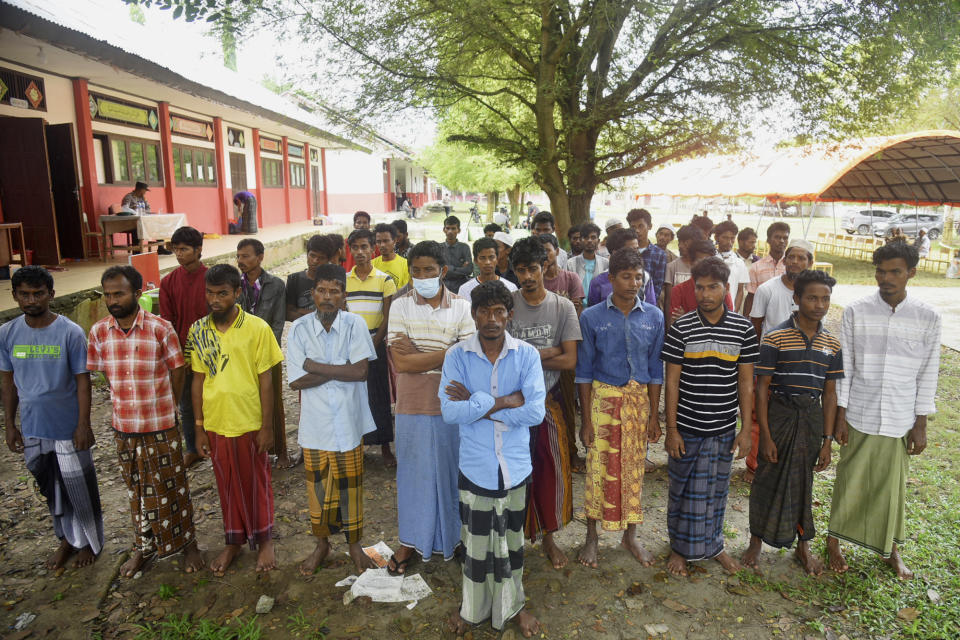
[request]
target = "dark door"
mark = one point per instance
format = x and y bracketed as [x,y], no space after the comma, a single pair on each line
[238,172]
[25,186]
[316,187]
[66,190]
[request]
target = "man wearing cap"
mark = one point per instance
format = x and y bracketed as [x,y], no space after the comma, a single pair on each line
[609,227]
[135,199]
[773,304]
[922,243]
[504,245]
[665,236]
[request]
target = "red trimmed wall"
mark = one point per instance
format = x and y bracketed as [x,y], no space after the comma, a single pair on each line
[272,205]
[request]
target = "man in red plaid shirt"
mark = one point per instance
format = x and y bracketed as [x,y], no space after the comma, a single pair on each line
[140,355]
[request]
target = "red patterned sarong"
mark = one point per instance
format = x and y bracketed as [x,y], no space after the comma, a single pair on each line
[243,482]
[550,499]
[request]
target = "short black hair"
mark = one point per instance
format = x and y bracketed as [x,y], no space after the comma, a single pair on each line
[713,267]
[619,237]
[123,271]
[383,227]
[702,247]
[624,259]
[487,294]
[336,243]
[331,272]
[587,228]
[528,250]
[223,274]
[322,245]
[746,232]
[549,237]
[892,251]
[811,276]
[640,214]
[188,236]
[251,242]
[359,234]
[577,228]
[400,226]
[777,226]
[361,214]
[703,223]
[493,226]
[544,216]
[428,249]
[482,243]
[725,227]
[451,221]
[690,233]
[33,275]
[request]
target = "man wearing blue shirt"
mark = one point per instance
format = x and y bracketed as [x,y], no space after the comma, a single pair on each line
[328,352]
[492,388]
[619,375]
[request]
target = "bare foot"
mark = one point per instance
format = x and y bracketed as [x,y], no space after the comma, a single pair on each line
[632,544]
[190,459]
[85,557]
[222,562]
[752,554]
[389,460]
[456,624]
[648,466]
[192,558]
[315,559]
[810,563]
[837,562]
[361,560]
[748,476]
[556,556]
[266,558]
[527,623]
[578,464]
[895,561]
[677,564]
[134,563]
[588,553]
[284,461]
[60,556]
[728,563]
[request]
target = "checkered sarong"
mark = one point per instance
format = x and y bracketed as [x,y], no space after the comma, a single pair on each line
[335,492]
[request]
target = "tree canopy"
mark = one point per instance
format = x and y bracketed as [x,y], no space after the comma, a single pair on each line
[587,92]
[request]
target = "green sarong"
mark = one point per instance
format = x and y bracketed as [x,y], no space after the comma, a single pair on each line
[870,491]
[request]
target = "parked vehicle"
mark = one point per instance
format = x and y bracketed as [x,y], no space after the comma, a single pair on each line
[910,224]
[862,221]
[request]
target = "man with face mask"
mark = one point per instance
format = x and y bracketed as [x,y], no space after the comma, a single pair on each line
[424,324]
[144,420]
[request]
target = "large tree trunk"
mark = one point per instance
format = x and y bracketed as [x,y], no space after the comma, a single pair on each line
[493,197]
[514,195]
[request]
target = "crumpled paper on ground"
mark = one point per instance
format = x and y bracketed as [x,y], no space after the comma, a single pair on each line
[380,586]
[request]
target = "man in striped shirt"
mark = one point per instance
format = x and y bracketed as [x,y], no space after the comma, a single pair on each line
[710,355]
[800,364]
[891,343]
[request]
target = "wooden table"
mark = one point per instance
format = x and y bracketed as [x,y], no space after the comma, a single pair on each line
[110,225]
[6,249]
[150,228]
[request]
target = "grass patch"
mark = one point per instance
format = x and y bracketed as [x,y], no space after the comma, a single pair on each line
[176,627]
[867,599]
[852,271]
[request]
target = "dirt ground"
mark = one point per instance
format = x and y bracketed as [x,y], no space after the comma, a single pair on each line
[621,599]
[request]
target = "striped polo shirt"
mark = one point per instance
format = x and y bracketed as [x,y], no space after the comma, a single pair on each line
[365,297]
[799,366]
[709,355]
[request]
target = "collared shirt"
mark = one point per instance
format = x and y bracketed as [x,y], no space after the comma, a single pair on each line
[466,289]
[655,263]
[134,201]
[137,365]
[265,299]
[335,415]
[601,288]
[455,256]
[797,364]
[183,301]
[764,269]
[580,266]
[365,297]
[892,361]
[618,348]
[430,330]
[739,274]
[498,446]
[396,268]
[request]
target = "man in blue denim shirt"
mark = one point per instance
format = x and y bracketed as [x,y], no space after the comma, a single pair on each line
[619,375]
[492,387]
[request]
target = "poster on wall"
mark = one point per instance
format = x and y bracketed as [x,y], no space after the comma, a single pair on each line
[191,128]
[22,90]
[270,144]
[115,110]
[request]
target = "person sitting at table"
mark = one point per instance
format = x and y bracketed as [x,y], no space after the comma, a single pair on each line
[135,200]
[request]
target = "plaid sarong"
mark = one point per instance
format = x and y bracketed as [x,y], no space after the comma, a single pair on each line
[781,495]
[67,479]
[550,505]
[243,482]
[870,492]
[615,460]
[492,535]
[335,492]
[152,468]
[699,483]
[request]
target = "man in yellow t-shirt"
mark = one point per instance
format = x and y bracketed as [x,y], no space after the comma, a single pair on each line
[388,261]
[369,292]
[232,353]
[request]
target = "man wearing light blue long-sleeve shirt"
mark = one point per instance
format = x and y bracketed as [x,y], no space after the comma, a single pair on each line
[492,389]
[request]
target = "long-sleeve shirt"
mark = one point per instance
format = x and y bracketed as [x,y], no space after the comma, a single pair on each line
[183,301]
[578,264]
[457,272]
[891,361]
[618,348]
[265,298]
[601,288]
[655,263]
[499,446]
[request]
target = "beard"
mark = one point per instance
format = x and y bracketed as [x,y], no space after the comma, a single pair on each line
[119,311]
[220,316]
[327,317]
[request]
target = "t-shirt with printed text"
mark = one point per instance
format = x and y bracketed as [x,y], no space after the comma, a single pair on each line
[548,324]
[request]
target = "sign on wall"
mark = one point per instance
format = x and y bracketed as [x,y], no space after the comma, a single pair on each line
[270,144]
[294,150]
[22,90]
[191,128]
[115,110]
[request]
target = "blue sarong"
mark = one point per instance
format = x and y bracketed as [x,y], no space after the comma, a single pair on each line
[427,497]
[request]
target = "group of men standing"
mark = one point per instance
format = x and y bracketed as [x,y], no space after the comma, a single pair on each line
[485,388]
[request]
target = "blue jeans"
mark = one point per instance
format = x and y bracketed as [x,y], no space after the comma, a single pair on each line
[187,424]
